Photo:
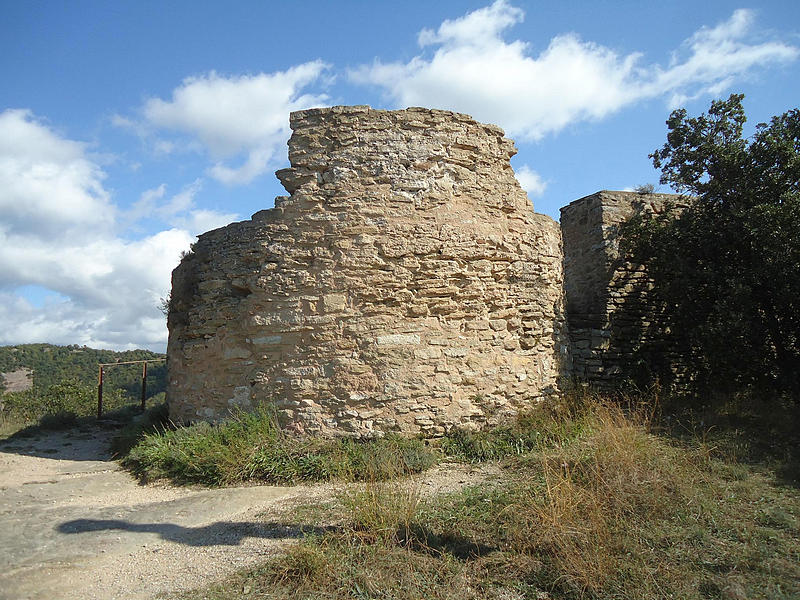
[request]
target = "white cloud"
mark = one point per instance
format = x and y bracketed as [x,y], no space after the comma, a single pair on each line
[716,57]
[258,161]
[478,27]
[243,119]
[202,220]
[475,70]
[71,323]
[531,181]
[147,203]
[178,211]
[182,201]
[36,166]
[59,231]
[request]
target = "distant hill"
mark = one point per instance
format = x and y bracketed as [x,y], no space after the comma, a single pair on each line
[51,365]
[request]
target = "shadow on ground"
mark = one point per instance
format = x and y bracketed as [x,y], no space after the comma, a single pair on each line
[424,540]
[85,442]
[221,533]
[767,438]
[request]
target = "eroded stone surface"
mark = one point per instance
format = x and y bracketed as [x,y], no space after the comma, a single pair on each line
[406,284]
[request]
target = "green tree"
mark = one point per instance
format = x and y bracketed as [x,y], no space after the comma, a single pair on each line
[726,271]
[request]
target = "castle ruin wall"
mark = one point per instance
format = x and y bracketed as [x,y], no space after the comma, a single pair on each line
[612,329]
[405,284]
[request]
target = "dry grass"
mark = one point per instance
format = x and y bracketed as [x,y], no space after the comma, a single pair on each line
[602,508]
[383,511]
[618,474]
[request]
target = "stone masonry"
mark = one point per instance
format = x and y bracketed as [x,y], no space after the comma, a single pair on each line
[611,323]
[405,284]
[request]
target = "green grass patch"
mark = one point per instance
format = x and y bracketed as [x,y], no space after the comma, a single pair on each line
[545,425]
[154,420]
[251,447]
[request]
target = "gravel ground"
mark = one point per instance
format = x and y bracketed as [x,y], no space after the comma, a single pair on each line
[73,525]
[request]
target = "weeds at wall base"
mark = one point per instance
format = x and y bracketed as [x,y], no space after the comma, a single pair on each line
[251,447]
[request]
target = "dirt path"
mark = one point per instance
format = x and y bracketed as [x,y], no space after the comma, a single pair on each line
[73,525]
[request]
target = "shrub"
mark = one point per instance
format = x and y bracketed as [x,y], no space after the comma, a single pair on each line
[724,271]
[59,405]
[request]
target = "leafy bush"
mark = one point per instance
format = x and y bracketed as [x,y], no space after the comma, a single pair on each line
[59,405]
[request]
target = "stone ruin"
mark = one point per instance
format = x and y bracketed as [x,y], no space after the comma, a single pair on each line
[611,325]
[405,284]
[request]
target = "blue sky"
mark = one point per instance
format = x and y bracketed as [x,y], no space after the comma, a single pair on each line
[127,128]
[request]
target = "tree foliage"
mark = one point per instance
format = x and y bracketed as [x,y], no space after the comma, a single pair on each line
[65,380]
[52,365]
[726,271]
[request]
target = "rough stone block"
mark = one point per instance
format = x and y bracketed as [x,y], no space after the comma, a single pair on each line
[398,339]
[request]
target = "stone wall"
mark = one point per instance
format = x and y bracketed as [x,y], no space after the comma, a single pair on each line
[611,323]
[406,284]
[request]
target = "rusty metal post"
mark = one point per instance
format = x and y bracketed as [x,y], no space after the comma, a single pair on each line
[100,392]
[144,384]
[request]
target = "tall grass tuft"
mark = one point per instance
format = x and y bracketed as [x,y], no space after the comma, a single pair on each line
[251,447]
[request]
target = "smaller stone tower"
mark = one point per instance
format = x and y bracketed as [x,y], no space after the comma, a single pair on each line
[607,306]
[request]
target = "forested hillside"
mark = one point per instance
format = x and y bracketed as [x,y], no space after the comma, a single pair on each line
[52,365]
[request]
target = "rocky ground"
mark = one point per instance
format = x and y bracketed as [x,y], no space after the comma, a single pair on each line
[18,380]
[74,525]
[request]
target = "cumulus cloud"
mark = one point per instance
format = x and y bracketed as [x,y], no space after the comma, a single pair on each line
[479,27]
[201,220]
[473,69]
[712,58]
[240,121]
[178,211]
[531,181]
[36,165]
[60,232]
